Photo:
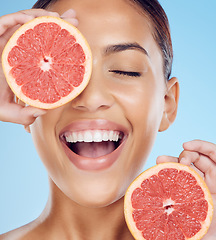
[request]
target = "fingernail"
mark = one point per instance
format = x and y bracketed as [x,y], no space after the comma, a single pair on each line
[75,22]
[186,143]
[69,13]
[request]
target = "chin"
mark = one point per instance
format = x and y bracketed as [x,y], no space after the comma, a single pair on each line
[97,204]
[97,194]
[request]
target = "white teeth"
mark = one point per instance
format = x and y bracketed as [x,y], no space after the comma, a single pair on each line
[97,136]
[88,136]
[79,137]
[105,136]
[92,136]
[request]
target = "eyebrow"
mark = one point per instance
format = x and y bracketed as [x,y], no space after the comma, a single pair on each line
[124,47]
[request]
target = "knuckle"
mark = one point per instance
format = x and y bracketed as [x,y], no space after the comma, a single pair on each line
[212,154]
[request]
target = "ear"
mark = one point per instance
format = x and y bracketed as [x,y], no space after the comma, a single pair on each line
[170,104]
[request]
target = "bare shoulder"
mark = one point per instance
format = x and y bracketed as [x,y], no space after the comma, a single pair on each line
[16,234]
[23,233]
[10,235]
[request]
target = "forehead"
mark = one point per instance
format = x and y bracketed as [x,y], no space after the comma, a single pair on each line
[102,14]
[89,6]
[111,22]
[111,17]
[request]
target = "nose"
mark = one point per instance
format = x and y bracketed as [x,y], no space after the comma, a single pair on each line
[96,96]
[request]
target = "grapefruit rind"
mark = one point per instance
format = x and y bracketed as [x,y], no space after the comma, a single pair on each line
[80,39]
[128,209]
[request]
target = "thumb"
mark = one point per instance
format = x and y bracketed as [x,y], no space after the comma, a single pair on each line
[164,158]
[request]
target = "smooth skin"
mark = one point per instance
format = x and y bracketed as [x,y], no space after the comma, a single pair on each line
[100,215]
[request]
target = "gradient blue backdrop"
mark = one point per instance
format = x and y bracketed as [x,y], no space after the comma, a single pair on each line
[23,179]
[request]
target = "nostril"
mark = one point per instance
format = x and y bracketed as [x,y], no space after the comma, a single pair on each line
[90,108]
[78,107]
[93,99]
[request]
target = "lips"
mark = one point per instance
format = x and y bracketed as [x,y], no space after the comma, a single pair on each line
[93,145]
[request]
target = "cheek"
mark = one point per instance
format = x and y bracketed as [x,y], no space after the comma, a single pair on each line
[45,140]
[142,103]
[144,112]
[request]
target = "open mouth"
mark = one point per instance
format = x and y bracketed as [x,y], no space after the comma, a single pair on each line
[92,143]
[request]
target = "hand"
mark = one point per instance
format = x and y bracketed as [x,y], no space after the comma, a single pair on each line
[11,109]
[201,156]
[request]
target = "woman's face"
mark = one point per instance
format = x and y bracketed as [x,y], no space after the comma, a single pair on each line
[123,101]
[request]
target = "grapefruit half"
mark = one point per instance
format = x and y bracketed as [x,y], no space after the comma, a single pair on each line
[47,62]
[169,201]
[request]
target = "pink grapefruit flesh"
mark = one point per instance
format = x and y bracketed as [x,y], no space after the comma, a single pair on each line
[168,201]
[47,62]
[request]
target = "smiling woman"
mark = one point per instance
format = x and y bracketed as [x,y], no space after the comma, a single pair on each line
[89,145]
[125,65]
[94,146]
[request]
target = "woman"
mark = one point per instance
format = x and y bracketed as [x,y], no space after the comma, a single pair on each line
[130,94]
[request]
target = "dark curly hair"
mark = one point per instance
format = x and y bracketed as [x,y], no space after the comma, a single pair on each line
[157,16]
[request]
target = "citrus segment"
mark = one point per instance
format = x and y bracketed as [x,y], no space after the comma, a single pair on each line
[168,201]
[47,62]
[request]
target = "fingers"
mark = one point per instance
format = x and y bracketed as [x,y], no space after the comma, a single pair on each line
[203,147]
[70,13]
[201,156]
[200,153]
[39,13]
[199,160]
[18,114]
[183,160]
[9,23]
[11,20]
[163,159]
[15,111]
[70,16]
[11,111]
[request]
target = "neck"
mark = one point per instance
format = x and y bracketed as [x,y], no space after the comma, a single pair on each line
[64,217]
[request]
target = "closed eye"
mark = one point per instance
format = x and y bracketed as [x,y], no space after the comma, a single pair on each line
[126,73]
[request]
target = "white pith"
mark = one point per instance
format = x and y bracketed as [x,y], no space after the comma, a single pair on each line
[46,65]
[92,136]
[168,203]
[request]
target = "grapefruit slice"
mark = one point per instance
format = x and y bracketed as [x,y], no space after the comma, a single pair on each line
[166,202]
[47,62]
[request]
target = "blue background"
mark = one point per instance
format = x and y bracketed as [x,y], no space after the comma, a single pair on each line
[23,179]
